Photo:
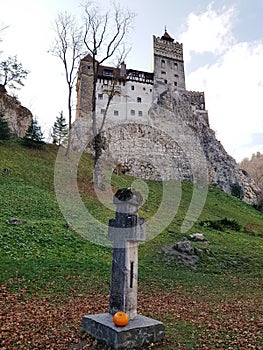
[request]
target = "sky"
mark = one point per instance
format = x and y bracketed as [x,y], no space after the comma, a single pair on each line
[223,54]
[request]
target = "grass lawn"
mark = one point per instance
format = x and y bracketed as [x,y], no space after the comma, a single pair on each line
[50,276]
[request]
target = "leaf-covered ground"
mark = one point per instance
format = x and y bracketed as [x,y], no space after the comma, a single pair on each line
[29,322]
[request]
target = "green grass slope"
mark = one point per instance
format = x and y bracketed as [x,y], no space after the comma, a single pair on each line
[43,258]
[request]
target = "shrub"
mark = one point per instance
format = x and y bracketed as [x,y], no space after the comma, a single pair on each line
[222,224]
[237,191]
[4,128]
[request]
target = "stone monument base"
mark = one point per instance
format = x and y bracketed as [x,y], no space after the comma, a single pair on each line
[138,332]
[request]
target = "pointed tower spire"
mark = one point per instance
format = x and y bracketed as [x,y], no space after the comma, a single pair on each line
[166,36]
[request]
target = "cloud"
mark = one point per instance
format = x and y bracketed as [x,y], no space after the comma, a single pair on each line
[232,82]
[234,88]
[210,31]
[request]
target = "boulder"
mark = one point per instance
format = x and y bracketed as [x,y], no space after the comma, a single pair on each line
[197,237]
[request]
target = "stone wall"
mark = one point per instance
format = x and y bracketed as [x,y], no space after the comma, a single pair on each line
[19,117]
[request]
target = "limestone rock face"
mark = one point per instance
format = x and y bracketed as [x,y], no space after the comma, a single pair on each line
[19,117]
[174,141]
[222,169]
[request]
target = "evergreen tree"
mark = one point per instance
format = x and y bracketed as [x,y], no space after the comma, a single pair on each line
[60,130]
[34,136]
[4,128]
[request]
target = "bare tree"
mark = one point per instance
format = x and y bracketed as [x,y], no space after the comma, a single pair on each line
[104,37]
[254,167]
[68,47]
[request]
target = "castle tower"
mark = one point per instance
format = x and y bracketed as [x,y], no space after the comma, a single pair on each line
[168,64]
[84,87]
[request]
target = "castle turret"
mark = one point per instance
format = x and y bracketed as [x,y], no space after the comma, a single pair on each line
[84,87]
[168,64]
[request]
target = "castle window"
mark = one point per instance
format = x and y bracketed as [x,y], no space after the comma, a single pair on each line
[150,90]
[135,75]
[175,66]
[165,81]
[116,113]
[132,112]
[102,111]
[175,83]
[132,87]
[144,88]
[162,63]
[108,72]
[139,99]
[100,96]
[163,72]
[176,76]
[140,113]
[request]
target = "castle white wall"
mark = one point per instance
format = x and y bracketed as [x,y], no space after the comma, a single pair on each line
[133,100]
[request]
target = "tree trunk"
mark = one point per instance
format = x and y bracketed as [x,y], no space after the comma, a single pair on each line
[69,120]
[98,178]
[97,137]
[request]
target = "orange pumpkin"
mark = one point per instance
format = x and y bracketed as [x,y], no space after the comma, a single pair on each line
[120,319]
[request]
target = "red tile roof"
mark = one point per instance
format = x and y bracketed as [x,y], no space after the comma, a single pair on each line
[167,37]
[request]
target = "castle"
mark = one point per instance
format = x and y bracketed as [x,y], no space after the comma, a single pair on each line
[135,90]
[155,128]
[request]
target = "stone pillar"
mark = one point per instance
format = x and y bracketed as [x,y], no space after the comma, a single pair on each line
[125,230]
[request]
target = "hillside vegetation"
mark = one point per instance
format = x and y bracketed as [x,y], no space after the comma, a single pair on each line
[51,276]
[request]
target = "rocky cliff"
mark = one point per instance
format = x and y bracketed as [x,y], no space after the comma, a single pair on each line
[222,169]
[174,141]
[18,116]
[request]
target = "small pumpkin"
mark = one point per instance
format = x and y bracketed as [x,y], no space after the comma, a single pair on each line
[120,319]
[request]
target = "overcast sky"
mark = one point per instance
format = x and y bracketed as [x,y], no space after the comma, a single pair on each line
[223,52]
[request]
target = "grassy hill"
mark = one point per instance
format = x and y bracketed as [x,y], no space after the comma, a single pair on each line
[51,276]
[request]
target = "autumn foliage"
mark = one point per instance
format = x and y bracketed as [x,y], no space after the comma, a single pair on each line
[31,322]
